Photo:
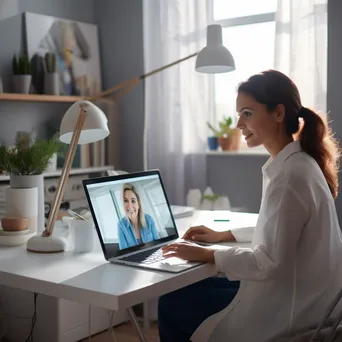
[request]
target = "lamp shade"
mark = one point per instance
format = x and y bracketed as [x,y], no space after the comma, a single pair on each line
[95,126]
[214,58]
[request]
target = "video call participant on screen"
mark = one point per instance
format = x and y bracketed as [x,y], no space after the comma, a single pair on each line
[136,227]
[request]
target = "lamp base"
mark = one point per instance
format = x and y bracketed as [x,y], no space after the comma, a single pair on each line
[46,244]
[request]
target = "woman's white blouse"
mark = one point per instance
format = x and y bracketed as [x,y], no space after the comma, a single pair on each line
[293,269]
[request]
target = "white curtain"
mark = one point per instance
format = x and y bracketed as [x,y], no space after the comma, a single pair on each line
[301,48]
[178,101]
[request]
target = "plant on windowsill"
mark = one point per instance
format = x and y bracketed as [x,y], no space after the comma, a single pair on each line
[228,137]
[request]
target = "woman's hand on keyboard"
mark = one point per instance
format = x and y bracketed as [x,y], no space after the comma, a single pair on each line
[189,251]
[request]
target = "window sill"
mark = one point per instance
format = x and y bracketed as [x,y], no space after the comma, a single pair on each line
[243,151]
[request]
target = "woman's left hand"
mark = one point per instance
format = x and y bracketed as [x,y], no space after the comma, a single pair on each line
[189,251]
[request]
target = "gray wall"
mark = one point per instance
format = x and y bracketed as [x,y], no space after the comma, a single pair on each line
[239,177]
[334,103]
[121,39]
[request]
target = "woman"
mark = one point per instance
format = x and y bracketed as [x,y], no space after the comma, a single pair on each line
[136,227]
[284,283]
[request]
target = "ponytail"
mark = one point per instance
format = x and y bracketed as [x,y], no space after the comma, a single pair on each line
[317,140]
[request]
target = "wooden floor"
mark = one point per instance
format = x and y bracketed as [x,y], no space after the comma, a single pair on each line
[126,333]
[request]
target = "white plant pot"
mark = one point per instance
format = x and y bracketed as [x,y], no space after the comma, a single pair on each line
[22,84]
[32,181]
[22,202]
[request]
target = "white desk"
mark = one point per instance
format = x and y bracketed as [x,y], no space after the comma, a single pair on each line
[90,279]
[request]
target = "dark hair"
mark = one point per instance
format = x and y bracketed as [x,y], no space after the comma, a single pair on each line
[271,88]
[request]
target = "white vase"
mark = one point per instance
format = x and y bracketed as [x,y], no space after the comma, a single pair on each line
[32,181]
[20,202]
[193,198]
[52,167]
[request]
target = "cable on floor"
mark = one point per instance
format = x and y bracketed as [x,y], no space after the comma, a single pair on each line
[34,318]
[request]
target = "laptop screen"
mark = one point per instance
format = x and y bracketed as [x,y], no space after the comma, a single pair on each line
[130,212]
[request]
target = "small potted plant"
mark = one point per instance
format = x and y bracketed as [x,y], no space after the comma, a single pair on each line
[51,79]
[21,74]
[228,137]
[25,163]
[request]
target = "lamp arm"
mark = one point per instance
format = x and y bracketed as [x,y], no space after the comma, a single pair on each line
[65,173]
[132,82]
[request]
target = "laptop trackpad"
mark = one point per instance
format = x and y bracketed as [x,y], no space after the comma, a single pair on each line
[174,261]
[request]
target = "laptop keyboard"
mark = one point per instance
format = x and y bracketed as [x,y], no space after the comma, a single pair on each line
[146,257]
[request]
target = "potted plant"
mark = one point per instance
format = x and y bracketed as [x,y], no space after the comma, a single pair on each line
[51,80]
[21,74]
[25,163]
[228,137]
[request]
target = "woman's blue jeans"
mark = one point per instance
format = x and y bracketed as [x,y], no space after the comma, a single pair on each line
[181,312]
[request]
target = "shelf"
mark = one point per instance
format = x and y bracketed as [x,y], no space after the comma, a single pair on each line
[75,171]
[38,98]
[241,152]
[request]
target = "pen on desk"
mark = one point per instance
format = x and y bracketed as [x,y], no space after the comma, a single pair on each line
[216,220]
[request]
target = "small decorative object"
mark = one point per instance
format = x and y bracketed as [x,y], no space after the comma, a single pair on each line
[25,162]
[52,167]
[14,224]
[21,74]
[228,138]
[213,143]
[22,202]
[194,198]
[83,234]
[51,77]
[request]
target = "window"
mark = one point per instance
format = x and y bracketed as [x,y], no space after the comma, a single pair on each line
[249,34]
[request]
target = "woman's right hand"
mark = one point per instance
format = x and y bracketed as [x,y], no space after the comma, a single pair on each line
[204,234]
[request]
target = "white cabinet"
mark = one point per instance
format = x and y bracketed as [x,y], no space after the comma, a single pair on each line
[57,320]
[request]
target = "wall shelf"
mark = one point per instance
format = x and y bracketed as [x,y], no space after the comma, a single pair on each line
[75,171]
[38,98]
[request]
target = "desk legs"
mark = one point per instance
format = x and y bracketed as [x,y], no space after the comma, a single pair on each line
[136,325]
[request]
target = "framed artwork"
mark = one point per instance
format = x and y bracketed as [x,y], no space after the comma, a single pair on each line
[76,47]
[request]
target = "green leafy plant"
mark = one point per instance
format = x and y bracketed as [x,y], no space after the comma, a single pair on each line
[224,127]
[50,62]
[28,157]
[211,197]
[21,65]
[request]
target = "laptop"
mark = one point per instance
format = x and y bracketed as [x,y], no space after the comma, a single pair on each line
[134,220]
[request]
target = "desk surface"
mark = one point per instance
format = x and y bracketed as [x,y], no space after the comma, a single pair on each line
[90,279]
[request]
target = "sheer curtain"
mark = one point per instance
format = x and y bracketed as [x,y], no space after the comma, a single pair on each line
[301,48]
[179,100]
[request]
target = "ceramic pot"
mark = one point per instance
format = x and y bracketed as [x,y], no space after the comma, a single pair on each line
[32,181]
[22,84]
[232,141]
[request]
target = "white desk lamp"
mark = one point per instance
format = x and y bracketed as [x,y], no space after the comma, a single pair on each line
[85,123]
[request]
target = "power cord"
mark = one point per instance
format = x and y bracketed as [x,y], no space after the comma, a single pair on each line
[34,319]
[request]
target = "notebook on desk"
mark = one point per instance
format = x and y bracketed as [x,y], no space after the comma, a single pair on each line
[133,220]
